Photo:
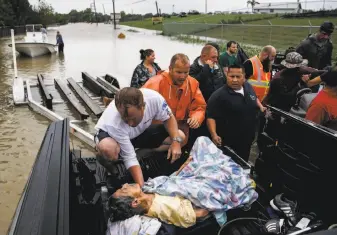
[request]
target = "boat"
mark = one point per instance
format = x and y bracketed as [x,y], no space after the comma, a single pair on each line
[35,42]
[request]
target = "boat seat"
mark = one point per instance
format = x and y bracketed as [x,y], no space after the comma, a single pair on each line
[304,99]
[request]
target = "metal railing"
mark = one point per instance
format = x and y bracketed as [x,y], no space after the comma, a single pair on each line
[6,31]
[280,36]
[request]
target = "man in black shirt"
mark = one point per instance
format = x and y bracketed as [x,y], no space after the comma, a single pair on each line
[206,70]
[287,82]
[231,113]
[317,48]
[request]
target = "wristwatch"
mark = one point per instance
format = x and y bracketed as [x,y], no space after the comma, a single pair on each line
[178,139]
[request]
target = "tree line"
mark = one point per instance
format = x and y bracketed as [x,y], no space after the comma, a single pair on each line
[21,12]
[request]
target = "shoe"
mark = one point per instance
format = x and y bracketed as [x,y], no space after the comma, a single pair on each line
[287,207]
[305,221]
[274,226]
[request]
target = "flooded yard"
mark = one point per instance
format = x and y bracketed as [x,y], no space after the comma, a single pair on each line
[90,48]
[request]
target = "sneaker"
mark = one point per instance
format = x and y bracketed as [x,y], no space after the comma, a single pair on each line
[303,223]
[274,226]
[287,207]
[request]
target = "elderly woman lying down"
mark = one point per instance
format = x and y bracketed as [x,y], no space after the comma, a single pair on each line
[208,182]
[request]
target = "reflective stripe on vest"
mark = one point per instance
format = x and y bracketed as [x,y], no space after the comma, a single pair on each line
[257,82]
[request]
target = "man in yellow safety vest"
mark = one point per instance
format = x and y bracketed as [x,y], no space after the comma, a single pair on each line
[258,71]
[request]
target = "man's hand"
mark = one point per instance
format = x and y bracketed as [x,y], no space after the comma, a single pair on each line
[217,140]
[263,109]
[193,123]
[210,63]
[306,78]
[174,151]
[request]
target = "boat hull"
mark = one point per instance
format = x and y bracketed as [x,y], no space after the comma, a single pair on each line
[34,49]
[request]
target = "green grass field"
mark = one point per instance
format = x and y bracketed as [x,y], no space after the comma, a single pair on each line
[278,36]
[300,21]
[209,19]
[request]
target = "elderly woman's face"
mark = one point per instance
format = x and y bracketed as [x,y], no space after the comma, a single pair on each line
[128,190]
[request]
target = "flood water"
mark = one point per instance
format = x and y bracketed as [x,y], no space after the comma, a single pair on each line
[88,47]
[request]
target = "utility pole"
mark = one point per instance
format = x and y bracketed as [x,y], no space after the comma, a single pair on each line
[157,8]
[104,13]
[113,5]
[173,8]
[205,6]
[95,12]
[323,5]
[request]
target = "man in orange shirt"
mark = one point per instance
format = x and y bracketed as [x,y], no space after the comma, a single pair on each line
[323,109]
[181,93]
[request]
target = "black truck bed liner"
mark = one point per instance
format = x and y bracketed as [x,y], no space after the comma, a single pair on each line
[45,202]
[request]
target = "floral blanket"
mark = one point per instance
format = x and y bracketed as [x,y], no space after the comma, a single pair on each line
[211,181]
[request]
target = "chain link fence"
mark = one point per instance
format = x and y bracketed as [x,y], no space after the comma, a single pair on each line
[6,31]
[280,36]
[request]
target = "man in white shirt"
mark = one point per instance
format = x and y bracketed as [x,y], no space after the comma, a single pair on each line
[126,124]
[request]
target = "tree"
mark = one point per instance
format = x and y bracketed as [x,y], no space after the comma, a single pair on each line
[6,14]
[123,13]
[252,3]
[46,13]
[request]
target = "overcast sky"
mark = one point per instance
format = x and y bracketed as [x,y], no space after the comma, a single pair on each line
[146,6]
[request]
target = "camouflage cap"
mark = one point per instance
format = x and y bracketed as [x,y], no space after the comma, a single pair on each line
[294,60]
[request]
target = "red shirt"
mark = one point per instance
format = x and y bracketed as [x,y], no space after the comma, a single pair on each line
[323,108]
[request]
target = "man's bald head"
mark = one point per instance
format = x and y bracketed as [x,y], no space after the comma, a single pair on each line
[206,50]
[267,56]
[209,52]
[268,52]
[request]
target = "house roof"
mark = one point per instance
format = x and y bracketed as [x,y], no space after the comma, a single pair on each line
[285,5]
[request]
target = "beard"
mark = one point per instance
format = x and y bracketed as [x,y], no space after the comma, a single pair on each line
[267,65]
[232,52]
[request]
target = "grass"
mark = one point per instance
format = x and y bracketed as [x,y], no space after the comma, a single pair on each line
[132,30]
[280,37]
[209,19]
[249,49]
[299,21]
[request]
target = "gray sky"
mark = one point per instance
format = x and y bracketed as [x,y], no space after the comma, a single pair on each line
[146,6]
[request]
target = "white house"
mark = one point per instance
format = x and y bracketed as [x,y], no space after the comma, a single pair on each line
[117,16]
[273,8]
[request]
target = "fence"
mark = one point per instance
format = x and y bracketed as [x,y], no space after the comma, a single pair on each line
[6,31]
[280,36]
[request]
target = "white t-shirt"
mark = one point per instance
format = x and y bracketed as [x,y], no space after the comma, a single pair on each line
[112,123]
[241,91]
